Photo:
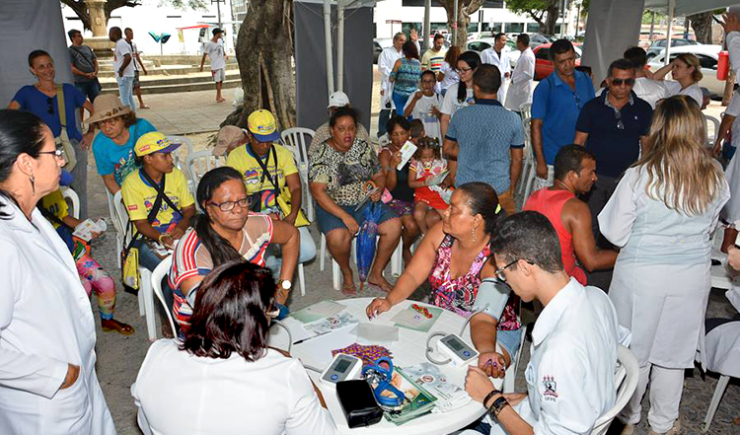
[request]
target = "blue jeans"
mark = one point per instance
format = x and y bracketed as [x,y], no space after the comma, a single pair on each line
[126,91]
[383,118]
[400,101]
[147,257]
[89,89]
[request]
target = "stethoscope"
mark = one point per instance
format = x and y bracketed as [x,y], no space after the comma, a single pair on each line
[380,378]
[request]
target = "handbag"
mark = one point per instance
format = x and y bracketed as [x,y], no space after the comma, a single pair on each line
[63,141]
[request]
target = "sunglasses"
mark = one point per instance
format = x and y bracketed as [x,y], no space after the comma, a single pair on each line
[620,82]
[50,105]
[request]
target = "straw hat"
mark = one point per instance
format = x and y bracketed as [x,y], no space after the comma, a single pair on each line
[107,106]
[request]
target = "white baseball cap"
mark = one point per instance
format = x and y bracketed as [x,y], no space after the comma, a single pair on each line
[338,99]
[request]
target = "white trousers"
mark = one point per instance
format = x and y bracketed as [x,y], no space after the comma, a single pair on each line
[541,183]
[666,388]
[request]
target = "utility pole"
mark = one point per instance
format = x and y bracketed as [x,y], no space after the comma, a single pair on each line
[218,11]
[427,25]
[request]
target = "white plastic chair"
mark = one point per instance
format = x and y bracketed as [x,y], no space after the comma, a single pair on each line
[120,232]
[526,179]
[198,163]
[177,155]
[156,282]
[510,376]
[625,380]
[120,220]
[722,348]
[711,136]
[74,199]
[526,110]
[295,140]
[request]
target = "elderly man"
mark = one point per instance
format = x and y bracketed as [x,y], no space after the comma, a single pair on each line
[556,104]
[522,77]
[612,127]
[498,57]
[386,61]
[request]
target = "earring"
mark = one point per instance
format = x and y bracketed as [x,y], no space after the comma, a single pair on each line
[472,234]
[33,183]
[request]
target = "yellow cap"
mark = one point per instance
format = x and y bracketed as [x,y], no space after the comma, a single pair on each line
[154,142]
[261,124]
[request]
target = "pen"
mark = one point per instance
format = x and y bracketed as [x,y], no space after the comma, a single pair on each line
[309,338]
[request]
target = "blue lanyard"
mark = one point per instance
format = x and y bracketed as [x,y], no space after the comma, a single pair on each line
[384,376]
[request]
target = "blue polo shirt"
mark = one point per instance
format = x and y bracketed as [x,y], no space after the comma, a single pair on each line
[485,133]
[615,144]
[558,106]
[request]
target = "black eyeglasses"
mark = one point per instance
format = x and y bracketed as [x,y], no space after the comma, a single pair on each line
[59,153]
[462,70]
[500,272]
[229,205]
[620,82]
[50,105]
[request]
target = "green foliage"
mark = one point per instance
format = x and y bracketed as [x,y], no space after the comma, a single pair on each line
[186,4]
[528,6]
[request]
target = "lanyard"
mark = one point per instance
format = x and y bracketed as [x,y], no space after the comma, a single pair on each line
[263,165]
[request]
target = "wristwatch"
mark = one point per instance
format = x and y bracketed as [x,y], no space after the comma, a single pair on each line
[497,406]
[285,285]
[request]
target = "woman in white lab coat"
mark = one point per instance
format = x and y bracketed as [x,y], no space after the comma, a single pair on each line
[48,383]
[661,216]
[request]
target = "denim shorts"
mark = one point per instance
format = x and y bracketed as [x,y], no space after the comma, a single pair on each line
[328,221]
[510,341]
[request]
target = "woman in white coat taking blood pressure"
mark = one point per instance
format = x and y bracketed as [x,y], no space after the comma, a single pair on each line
[48,383]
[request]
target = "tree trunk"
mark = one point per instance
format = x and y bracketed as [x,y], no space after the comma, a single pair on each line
[80,8]
[465,9]
[552,18]
[702,25]
[264,51]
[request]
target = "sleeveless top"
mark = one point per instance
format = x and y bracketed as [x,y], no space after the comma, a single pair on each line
[407,77]
[402,190]
[458,295]
[550,203]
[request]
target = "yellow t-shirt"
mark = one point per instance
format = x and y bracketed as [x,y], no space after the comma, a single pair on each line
[243,161]
[55,203]
[139,197]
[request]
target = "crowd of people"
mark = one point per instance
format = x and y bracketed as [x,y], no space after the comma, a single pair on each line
[624,181]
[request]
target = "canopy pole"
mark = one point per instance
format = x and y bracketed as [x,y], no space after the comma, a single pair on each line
[671,13]
[340,45]
[454,25]
[427,25]
[327,43]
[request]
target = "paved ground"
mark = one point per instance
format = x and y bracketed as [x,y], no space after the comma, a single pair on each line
[119,357]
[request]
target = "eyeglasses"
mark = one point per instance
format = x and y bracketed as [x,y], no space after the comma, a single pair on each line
[500,272]
[229,205]
[464,69]
[58,153]
[50,105]
[620,82]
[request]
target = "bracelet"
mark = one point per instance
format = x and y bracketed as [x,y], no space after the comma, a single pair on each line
[497,406]
[161,236]
[491,394]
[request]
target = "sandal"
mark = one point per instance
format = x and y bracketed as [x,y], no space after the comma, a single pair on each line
[115,325]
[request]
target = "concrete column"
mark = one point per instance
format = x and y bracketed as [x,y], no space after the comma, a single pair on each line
[99,41]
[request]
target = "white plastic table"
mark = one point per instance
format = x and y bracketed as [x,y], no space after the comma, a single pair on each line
[408,350]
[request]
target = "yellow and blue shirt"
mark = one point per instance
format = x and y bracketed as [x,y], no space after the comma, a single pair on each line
[246,163]
[139,196]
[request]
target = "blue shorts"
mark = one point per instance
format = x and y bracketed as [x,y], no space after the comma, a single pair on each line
[510,341]
[328,221]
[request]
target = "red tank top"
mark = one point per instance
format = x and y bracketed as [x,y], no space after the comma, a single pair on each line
[550,203]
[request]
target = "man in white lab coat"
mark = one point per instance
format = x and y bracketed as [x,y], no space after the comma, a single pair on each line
[522,77]
[387,59]
[570,376]
[499,56]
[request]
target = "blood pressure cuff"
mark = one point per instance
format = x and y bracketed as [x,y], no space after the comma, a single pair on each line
[492,298]
[358,403]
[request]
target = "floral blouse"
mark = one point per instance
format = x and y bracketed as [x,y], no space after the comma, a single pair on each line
[345,173]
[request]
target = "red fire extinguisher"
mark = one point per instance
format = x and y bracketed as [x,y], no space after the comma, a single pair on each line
[723,65]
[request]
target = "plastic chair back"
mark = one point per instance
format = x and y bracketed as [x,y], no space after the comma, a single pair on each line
[198,163]
[157,276]
[74,200]
[626,381]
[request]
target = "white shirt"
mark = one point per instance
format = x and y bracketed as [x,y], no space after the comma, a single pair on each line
[270,396]
[423,111]
[215,52]
[733,109]
[123,49]
[733,47]
[450,104]
[650,90]
[386,61]
[134,50]
[501,61]
[693,91]
[451,76]
[521,82]
[46,323]
[570,376]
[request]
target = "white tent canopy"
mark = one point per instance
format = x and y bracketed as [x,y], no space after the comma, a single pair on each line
[687,7]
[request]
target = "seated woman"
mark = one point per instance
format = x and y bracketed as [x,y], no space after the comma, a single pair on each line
[454,255]
[227,231]
[141,194]
[114,146]
[343,171]
[271,177]
[397,181]
[223,377]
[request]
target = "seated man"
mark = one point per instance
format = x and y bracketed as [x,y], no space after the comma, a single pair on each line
[570,376]
[574,175]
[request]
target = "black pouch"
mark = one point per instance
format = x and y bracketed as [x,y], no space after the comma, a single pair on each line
[358,403]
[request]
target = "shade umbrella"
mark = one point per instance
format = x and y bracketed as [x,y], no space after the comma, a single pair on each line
[366,241]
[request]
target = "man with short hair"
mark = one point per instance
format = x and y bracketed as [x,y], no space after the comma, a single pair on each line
[487,140]
[84,67]
[123,67]
[571,373]
[336,100]
[498,57]
[520,91]
[386,61]
[646,89]
[424,105]
[612,127]
[214,49]
[556,104]
[433,58]
[138,65]
[575,173]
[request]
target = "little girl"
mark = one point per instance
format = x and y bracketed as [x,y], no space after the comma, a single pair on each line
[428,202]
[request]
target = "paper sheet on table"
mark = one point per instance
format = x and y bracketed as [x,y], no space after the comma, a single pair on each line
[375,333]
[322,310]
[429,376]
[412,319]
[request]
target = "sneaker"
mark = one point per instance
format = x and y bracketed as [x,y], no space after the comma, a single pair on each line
[675,430]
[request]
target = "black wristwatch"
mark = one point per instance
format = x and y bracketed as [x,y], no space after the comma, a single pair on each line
[497,406]
[489,395]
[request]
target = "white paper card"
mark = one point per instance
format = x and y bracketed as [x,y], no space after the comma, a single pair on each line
[85,229]
[407,151]
[373,332]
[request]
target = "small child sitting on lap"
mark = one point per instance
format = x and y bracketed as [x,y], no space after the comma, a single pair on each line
[426,165]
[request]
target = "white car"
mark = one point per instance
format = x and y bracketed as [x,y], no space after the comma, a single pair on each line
[708,57]
[480,44]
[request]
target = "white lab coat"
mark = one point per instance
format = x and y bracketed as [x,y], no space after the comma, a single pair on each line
[520,91]
[731,210]
[46,322]
[662,276]
[503,64]
[386,61]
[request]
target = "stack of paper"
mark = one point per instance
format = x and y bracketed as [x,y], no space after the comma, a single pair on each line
[449,395]
[418,400]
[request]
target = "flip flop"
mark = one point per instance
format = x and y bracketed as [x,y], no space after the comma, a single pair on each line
[349,289]
[386,288]
[144,107]
[119,327]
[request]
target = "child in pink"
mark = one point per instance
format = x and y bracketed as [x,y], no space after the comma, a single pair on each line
[428,203]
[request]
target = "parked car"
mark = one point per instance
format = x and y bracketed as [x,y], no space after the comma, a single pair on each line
[378,45]
[708,57]
[484,43]
[543,66]
[658,46]
[537,39]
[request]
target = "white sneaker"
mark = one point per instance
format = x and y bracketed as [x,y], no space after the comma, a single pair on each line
[675,430]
